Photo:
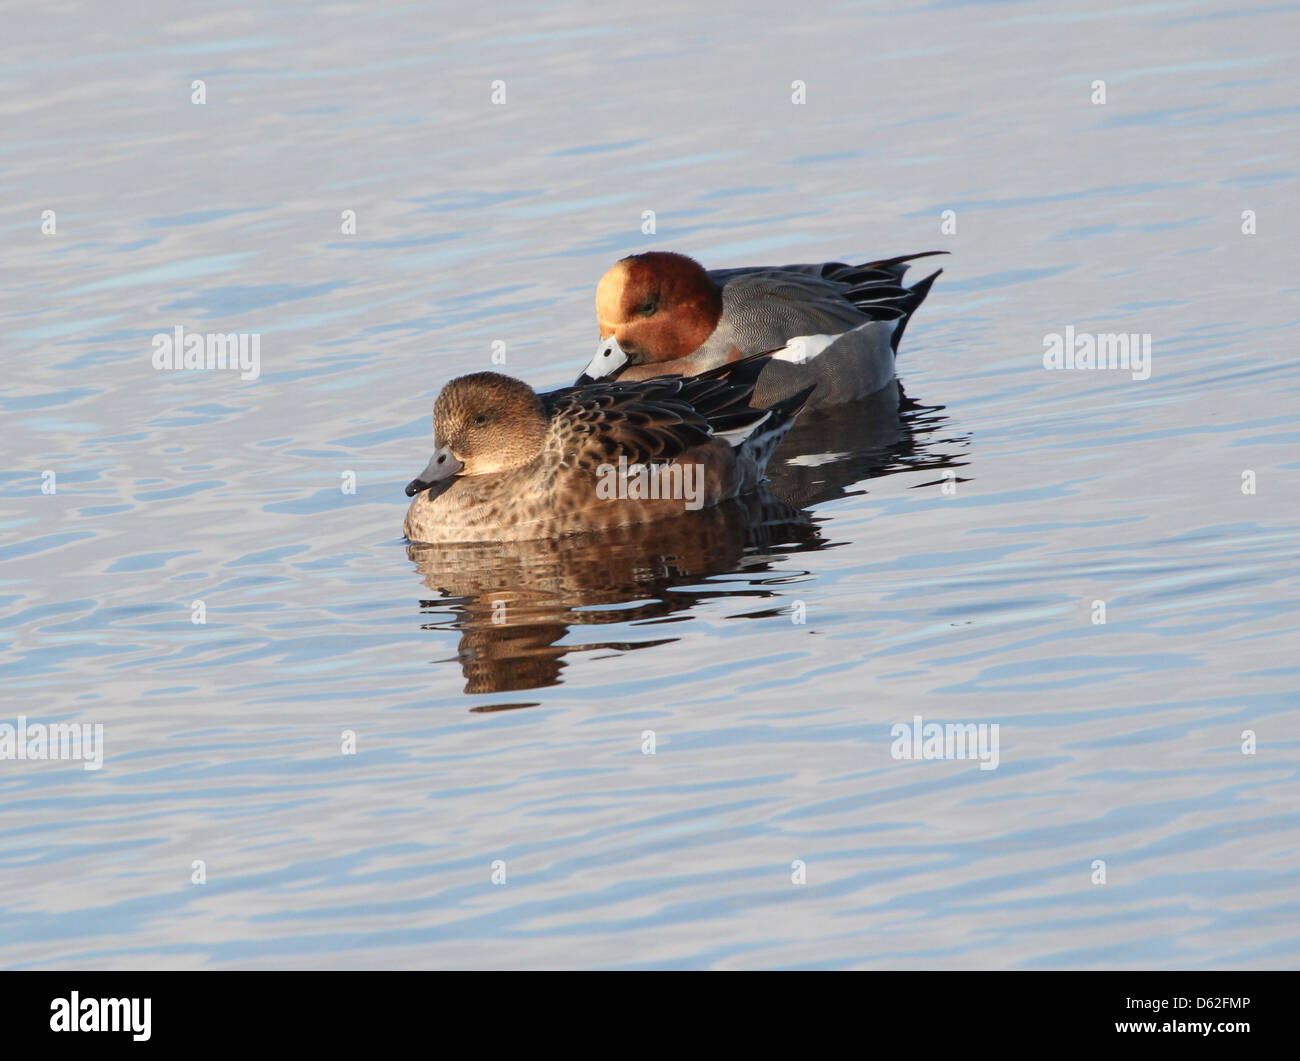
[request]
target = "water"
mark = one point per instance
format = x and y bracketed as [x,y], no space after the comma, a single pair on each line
[522,741]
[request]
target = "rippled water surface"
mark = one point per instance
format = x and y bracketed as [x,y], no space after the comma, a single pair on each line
[934,553]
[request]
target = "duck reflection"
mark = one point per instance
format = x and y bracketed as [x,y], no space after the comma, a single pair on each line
[515,603]
[831,452]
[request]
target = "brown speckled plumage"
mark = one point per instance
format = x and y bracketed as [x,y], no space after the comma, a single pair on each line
[555,445]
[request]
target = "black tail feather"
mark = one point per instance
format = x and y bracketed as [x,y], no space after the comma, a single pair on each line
[902,259]
[915,296]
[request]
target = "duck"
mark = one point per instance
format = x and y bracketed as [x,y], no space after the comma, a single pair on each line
[834,325]
[512,464]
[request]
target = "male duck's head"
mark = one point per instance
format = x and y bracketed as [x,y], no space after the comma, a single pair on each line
[652,307]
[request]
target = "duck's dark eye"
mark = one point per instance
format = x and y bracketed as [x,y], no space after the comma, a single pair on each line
[481,418]
[648,310]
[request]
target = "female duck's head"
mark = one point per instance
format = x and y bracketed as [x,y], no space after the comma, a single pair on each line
[483,424]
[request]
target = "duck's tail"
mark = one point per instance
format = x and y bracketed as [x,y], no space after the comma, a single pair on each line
[911,303]
[876,288]
[767,433]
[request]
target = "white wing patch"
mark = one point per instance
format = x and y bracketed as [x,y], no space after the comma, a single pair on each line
[803,348]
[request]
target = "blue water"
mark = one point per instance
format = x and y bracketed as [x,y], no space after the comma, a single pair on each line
[940,561]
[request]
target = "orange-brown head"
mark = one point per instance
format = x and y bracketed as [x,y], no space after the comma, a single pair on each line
[651,308]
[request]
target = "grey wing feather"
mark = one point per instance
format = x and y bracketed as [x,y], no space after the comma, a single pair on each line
[766,310]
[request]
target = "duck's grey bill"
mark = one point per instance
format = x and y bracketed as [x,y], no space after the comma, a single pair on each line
[609,361]
[441,467]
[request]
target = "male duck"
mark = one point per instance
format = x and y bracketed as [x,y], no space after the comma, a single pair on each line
[832,324]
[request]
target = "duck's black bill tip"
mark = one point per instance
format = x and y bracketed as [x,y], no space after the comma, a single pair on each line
[415,486]
[583,380]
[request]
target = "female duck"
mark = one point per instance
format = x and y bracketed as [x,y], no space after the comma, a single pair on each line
[513,464]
